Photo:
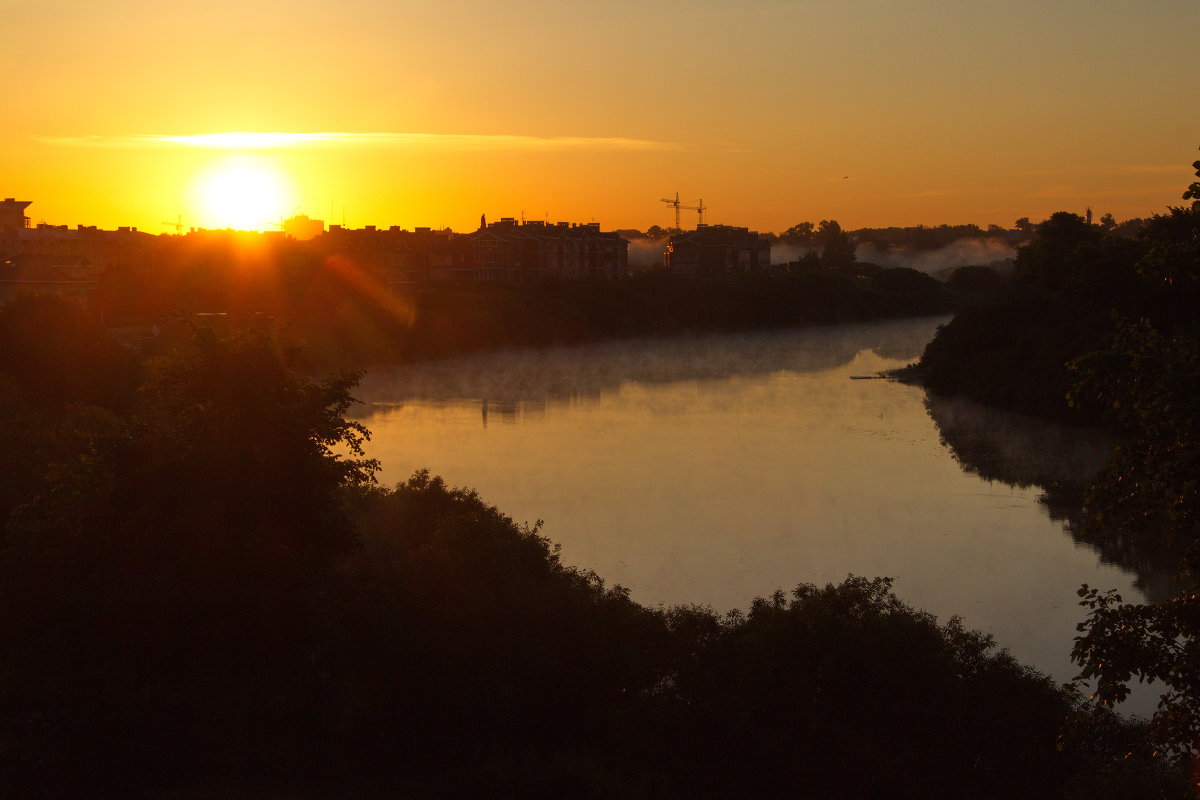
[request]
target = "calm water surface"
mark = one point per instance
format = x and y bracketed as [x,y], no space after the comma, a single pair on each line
[714,469]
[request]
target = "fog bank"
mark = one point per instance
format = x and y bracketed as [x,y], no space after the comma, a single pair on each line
[960,253]
[647,252]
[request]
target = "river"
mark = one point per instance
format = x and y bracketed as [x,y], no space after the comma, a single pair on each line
[713,469]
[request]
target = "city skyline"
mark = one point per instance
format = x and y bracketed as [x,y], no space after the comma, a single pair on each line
[874,113]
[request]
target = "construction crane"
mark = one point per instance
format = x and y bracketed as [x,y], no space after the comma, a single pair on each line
[677,205]
[177,225]
[282,224]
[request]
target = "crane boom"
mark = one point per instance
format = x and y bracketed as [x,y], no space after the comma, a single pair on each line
[698,208]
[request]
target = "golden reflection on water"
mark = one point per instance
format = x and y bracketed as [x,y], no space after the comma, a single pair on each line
[721,468]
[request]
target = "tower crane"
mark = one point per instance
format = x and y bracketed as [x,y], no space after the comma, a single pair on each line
[282,224]
[674,204]
[677,205]
[177,225]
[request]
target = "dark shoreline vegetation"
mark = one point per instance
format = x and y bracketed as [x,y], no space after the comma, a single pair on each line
[340,321]
[198,595]
[1101,329]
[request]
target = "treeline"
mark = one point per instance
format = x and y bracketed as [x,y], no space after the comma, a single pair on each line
[829,234]
[1072,286]
[340,312]
[455,319]
[911,237]
[202,590]
[916,237]
[1103,329]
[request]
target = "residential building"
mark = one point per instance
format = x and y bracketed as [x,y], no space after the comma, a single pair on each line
[506,250]
[61,260]
[718,250]
[529,250]
[12,214]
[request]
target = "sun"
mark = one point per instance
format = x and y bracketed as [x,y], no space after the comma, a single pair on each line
[243,192]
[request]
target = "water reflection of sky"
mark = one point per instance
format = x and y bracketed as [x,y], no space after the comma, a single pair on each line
[715,469]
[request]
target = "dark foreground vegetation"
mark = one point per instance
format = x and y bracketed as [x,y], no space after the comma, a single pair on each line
[202,591]
[1104,329]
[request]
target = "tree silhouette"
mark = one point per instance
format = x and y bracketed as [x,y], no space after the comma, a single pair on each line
[837,248]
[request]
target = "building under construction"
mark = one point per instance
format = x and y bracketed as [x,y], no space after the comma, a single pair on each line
[717,250]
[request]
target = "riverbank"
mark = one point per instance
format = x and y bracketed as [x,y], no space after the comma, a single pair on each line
[1013,349]
[451,320]
[1101,328]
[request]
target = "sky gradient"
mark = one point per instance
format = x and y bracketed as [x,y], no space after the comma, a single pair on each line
[422,113]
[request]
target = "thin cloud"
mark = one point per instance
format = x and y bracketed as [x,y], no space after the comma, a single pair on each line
[273,140]
[1158,169]
[1075,193]
[933,193]
[89,141]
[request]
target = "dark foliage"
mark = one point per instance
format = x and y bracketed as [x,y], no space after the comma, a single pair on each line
[451,320]
[161,583]
[60,355]
[1011,349]
[904,280]
[200,591]
[975,278]
[1147,380]
[1138,371]
[807,692]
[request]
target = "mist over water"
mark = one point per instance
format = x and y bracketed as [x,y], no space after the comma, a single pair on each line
[714,469]
[784,253]
[568,374]
[964,252]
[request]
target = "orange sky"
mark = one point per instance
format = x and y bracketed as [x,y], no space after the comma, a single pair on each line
[939,111]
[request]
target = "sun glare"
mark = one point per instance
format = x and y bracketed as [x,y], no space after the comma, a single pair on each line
[243,192]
